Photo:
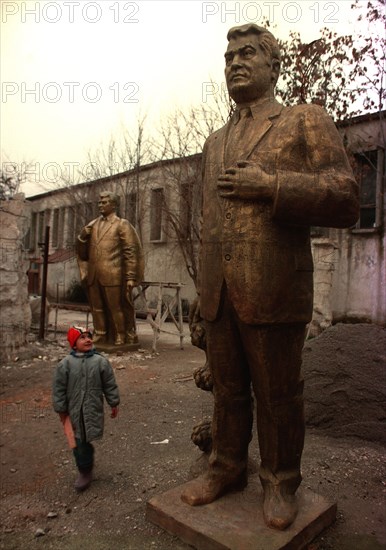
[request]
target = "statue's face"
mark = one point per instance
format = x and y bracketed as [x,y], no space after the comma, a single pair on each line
[105,206]
[249,74]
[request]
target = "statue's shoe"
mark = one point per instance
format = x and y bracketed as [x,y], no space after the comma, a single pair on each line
[99,338]
[119,340]
[207,488]
[131,338]
[279,509]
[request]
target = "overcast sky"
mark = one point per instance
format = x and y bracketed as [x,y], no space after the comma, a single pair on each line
[74,72]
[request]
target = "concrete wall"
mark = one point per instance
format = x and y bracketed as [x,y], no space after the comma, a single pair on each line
[358,290]
[14,301]
[61,276]
[359,278]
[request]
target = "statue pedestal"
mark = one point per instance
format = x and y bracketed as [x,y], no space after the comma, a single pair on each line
[111,348]
[235,521]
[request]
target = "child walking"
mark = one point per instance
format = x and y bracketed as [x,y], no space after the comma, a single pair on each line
[80,381]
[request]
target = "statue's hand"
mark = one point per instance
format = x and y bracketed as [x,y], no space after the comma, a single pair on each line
[196,325]
[130,284]
[194,311]
[85,233]
[246,180]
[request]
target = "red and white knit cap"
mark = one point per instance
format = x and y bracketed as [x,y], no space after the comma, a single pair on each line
[74,333]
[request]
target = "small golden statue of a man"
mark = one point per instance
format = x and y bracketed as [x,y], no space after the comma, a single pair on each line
[110,251]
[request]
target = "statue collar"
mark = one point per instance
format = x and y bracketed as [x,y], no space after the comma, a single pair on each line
[268,108]
[110,218]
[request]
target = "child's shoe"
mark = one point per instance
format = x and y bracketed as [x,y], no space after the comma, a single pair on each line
[84,480]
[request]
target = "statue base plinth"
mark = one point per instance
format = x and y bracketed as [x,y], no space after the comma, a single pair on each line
[111,348]
[235,521]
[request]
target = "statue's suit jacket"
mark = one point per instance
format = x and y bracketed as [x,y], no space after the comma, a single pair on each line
[113,252]
[262,249]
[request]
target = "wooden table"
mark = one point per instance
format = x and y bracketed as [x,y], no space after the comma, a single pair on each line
[164,309]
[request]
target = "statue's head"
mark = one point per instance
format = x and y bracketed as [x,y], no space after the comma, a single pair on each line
[108,202]
[252,63]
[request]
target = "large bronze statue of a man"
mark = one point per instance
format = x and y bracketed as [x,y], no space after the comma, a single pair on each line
[111,250]
[269,174]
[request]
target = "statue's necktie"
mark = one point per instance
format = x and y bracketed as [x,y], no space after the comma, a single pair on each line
[101,226]
[236,146]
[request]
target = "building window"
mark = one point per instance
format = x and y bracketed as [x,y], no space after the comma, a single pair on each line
[55,228]
[156,206]
[131,208]
[33,278]
[89,212]
[95,210]
[366,167]
[33,232]
[185,209]
[70,239]
[27,240]
[41,228]
[79,218]
[62,212]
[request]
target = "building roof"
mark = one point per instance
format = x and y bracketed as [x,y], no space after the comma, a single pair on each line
[367,117]
[114,177]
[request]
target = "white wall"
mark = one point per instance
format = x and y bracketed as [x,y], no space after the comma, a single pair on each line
[359,278]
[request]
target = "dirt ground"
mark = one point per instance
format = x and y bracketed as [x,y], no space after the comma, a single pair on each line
[147,449]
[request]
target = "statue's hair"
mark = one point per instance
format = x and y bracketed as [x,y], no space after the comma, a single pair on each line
[267,41]
[112,196]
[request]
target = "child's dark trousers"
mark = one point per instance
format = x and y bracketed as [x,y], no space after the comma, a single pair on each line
[84,456]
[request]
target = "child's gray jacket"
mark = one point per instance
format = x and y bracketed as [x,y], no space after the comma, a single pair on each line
[80,381]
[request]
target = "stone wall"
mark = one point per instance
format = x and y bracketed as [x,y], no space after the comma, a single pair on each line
[15,319]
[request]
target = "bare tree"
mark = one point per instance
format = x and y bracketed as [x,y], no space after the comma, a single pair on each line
[182,208]
[181,138]
[12,176]
[118,166]
[344,74]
